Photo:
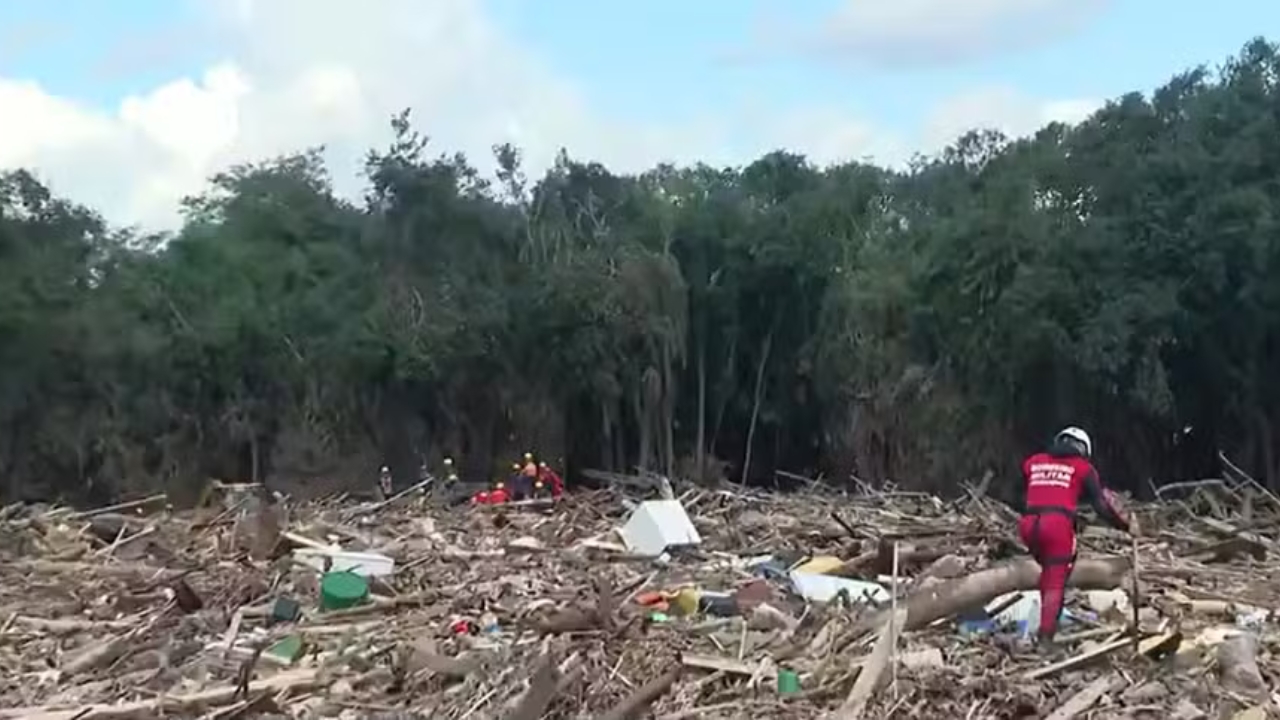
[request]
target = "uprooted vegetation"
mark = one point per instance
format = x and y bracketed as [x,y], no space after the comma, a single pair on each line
[537,610]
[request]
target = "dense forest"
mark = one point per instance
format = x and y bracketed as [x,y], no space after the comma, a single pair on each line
[925,326]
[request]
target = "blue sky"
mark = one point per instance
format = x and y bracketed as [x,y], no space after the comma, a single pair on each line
[113,102]
[623,55]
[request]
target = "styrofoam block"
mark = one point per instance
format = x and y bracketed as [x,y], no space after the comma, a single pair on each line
[823,588]
[657,525]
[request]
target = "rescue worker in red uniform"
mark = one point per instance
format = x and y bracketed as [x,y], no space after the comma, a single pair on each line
[550,480]
[1055,480]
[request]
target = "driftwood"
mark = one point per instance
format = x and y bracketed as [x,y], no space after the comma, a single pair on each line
[144,709]
[975,590]
[114,633]
[1087,697]
[872,672]
[542,690]
[638,701]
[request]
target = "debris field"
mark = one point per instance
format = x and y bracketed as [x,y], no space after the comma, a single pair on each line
[806,605]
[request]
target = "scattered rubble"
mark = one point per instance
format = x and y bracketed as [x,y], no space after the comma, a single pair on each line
[799,606]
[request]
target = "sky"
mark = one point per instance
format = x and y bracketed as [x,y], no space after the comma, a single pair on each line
[130,105]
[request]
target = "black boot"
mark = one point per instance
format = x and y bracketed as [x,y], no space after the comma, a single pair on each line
[1045,644]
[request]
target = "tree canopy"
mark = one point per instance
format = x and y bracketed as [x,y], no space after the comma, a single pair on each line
[924,326]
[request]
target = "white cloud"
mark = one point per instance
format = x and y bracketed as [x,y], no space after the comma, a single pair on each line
[998,108]
[914,33]
[331,72]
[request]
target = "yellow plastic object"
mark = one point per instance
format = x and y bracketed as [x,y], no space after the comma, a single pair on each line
[685,602]
[821,565]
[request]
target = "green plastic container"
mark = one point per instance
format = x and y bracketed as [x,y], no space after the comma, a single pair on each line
[788,682]
[341,590]
[285,610]
[289,648]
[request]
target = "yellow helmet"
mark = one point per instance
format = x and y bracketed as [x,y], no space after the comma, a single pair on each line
[528,456]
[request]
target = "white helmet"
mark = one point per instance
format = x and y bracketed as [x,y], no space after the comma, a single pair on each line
[1080,436]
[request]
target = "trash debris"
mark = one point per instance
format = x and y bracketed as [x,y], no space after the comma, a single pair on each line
[825,588]
[360,563]
[497,613]
[657,525]
[342,590]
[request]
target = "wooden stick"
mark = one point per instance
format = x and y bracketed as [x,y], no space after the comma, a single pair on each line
[872,671]
[159,497]
[398,496]
[893,628]
[638,701]
[1137,596]
[542,690]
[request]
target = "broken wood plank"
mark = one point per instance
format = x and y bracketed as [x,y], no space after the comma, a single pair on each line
[873,671]
[1086,697]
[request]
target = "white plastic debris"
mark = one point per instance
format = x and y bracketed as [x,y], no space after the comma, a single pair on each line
[657,525]
[1103,601]
[360,563]
[1023,614]
[817,587]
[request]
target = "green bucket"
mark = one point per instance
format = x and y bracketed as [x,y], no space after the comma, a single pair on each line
[341,590]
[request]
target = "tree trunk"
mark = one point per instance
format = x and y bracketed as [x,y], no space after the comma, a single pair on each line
[255,458]
[980,588]
[668,412]
[726,394]
[755,402]
[606,437]
[643,426]
[1268,450]
[700,443]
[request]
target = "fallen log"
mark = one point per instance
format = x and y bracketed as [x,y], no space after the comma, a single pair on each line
[949,598]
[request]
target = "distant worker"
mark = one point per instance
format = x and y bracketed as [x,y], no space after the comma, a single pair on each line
[496,496]
[384,481]
[527,477]
[450,474]
[1055,480]
[499,494]
[550,481]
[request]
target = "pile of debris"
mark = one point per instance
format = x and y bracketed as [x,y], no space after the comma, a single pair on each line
[712,604]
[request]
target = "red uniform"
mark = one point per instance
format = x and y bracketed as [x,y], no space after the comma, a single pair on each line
[1055,481]
[496,496]
[551,480]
